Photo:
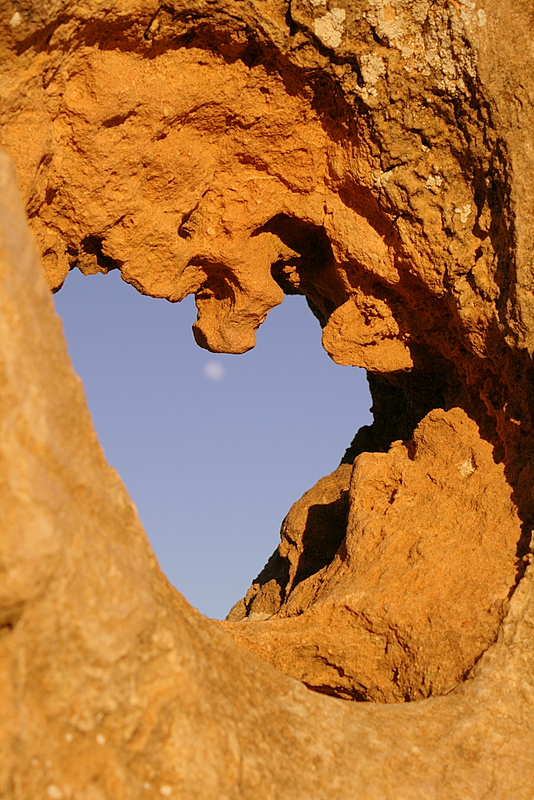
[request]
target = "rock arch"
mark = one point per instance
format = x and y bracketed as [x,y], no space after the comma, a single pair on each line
[368,157]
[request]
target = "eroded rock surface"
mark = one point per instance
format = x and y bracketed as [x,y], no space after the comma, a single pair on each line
[356,182]
[377,158]
[114,687]
[418,587]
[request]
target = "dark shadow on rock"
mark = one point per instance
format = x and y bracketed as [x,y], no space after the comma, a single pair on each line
[267,593]
[325,530]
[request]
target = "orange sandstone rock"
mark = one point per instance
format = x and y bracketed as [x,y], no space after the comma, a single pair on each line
[419,585]
[376,158]
[114,687]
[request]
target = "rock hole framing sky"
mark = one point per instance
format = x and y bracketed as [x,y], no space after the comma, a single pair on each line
[213,449]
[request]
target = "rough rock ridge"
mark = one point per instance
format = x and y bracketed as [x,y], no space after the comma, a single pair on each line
[114,687]
[377,158]
[418,586]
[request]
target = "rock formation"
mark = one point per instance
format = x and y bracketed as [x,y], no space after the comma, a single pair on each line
[376,157]
[415,591]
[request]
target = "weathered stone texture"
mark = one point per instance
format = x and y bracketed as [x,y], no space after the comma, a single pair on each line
[114,687]
[377,158]
[418,586]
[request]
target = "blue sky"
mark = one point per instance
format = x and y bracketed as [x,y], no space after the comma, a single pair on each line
[213,449]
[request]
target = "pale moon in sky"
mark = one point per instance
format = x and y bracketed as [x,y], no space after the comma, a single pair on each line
[214,371]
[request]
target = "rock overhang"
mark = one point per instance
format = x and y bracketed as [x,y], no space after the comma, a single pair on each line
[411,178]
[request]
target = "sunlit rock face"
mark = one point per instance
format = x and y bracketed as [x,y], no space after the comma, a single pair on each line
[419,582]
[376,158]
[194,175]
